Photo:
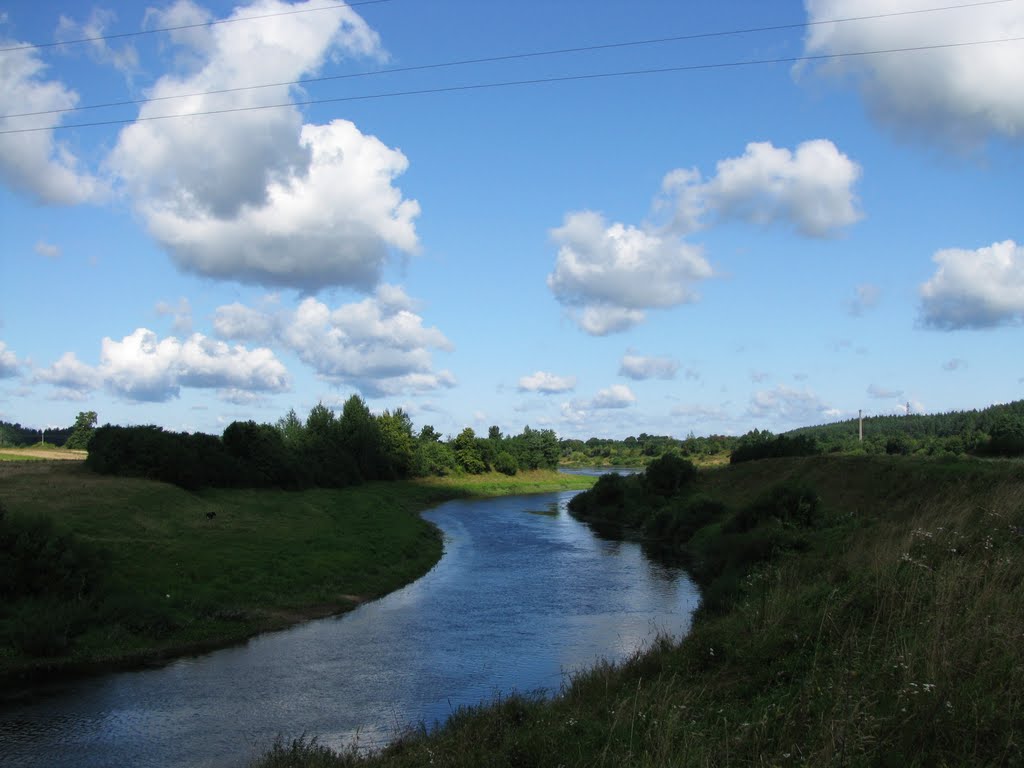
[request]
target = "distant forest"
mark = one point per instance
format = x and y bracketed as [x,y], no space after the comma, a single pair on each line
[994,431]
[14,435]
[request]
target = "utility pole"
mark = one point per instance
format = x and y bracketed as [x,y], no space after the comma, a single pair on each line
[908,407]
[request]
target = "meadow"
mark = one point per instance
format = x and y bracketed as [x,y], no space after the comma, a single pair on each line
[159,571]
[879,621]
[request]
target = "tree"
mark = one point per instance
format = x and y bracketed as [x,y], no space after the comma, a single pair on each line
[361,436]
[82,432]
[429,434]
[467,452]
[397,440]
[291,429]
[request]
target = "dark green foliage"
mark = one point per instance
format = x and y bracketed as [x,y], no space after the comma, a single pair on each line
[637,451]
[467,452]
[535,448]
[1007,438]
[38,561]
[360,436]
[953,433]
[669,474]
[899,445]
[674,525]
[17,435]
[763,445]
[432,457]
[397,441]
[506,463]
[82,431]
[790,503]
[190,461]
[261,450]
[47,578]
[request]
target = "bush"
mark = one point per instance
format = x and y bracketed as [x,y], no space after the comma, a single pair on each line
[506,463]
[761,445]
[789,503]
[38,561]
[669,474]
[676,525]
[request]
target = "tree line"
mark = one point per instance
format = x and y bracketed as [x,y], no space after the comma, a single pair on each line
[325,450]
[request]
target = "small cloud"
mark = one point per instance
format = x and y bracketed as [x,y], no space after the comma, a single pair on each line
[615,396]
[49,250]
[638,367]
[759,376]
[883,393]
[865,298]
[182,314]
[787,406]
[9,365]
[546,383]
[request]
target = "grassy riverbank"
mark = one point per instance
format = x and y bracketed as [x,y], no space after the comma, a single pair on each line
[887,628]
[178,572]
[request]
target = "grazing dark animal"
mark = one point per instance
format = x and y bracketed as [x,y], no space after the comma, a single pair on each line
[210,515]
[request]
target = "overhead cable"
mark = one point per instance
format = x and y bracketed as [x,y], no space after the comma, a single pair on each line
[197,25]
[533,81]
[508,57]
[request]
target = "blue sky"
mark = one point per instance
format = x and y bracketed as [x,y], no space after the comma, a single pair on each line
[706,249]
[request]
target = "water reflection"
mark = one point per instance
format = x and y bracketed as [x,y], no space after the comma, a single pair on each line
[518,601]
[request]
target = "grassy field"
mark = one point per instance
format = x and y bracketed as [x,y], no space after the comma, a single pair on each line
[41,452]
[183,571]
[889,632]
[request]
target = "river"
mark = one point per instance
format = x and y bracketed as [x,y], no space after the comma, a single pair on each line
[523,596]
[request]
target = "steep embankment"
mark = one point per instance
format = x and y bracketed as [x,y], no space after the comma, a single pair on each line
[871,613]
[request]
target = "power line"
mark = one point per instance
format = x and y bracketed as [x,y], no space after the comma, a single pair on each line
[118,35]
[509,57]
[534,81]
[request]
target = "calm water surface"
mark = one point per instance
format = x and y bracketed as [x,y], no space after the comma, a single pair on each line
[523,595]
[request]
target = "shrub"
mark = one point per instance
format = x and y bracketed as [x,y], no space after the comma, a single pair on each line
[506,463]
[789,503]
[38,561]
[760,445]
[669,474]
[675,525]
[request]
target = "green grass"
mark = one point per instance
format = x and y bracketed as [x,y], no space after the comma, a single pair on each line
[175,580]
[892,635]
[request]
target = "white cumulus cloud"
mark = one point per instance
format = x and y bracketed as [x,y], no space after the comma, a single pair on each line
[70,374]
[983,288]
[146,368]
[809,188]
[959,93]
[9,365]
[639,367]
[37,163]
[546,383]
[378,345]
[258,196]
[615,396]
[612,272]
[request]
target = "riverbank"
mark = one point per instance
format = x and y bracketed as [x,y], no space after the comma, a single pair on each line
[877,622]
[179,572]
